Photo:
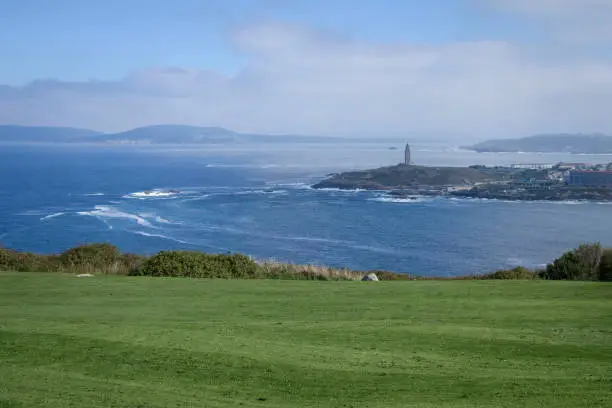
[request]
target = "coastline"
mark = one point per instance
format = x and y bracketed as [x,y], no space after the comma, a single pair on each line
[472,182]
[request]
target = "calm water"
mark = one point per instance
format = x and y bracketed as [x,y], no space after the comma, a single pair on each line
[256,200]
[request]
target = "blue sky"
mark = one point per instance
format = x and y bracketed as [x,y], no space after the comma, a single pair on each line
[469,68]
[80,40]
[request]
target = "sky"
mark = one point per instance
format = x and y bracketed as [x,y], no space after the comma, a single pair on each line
[464,69]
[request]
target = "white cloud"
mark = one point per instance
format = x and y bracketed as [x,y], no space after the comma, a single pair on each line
[301,81]
[575,21]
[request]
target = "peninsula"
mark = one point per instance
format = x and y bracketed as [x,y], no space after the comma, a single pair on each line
[403,176]
[529,182]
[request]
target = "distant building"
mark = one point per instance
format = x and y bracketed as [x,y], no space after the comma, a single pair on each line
[535,185]
[533,166]
[574,166]
[590,178]
[407,155]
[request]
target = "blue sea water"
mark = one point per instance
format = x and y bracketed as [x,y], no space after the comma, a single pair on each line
[256,200]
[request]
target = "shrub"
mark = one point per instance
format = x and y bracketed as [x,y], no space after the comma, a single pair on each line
[131,264]
[580,264]
[94,255]
[200,265]
[386,276]
[518,273]
[95,258]
[11,260]
[605,266]
[278,270]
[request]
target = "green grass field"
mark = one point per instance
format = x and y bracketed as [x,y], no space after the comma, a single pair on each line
[155,342]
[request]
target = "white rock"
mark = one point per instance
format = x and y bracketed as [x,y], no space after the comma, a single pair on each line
[84,275]
[371,277]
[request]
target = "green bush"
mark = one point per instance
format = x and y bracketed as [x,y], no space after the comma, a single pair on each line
[11,260]
[518,273]
[131,264]
[200,265]
[97,256]
[580,264]
[605,266]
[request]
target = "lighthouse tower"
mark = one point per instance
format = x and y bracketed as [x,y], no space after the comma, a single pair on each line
[407,155]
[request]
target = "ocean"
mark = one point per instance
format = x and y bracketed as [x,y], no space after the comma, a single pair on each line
[257,200]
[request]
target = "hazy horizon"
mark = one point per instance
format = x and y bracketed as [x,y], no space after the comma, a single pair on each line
[465,70]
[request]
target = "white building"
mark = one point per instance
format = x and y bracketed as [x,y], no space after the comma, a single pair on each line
[533,166]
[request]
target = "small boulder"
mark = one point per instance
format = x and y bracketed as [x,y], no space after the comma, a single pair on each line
[84,275]
[370,277]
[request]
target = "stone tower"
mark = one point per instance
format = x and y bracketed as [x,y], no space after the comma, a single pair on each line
[407,155]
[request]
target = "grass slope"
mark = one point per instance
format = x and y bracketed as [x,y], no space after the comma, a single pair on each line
[142,342]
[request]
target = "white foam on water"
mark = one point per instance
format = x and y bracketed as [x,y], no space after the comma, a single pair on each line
[293,186]
[163,220]
[386,199]
[48,217]
[152,194]
[199,198]
[102,212]
[147,234]
[259,192]
[244,166]
[310,239]
[343,190]
[93,194]
[154,216]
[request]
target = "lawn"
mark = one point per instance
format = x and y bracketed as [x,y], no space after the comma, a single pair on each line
[155,342]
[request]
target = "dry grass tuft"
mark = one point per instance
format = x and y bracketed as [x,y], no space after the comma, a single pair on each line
[275,269]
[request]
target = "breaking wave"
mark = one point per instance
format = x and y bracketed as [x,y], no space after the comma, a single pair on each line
[103,212]
[397,200]
[162,236]
[257,192]
[48,217]
[293,186]
[157,218]
[162,220]
[152,194]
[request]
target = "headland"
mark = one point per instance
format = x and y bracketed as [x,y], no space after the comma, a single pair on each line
[549,182]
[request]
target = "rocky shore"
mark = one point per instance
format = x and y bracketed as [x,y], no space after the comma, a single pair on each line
[406,182]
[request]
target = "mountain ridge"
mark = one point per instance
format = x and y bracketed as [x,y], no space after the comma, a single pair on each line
[151,134]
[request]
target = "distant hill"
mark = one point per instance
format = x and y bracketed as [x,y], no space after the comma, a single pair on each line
[552,143]
[42,134]
[171,134]
[156,134]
